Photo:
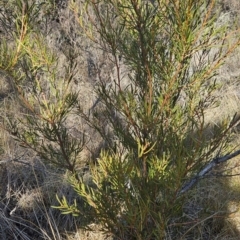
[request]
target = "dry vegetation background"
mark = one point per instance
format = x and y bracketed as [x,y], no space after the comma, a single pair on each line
[28,186]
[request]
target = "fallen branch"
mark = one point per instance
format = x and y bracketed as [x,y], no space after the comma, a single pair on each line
[206,170]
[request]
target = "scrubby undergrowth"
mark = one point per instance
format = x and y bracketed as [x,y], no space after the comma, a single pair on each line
[29,185]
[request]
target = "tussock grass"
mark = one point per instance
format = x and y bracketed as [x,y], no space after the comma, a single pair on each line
[27,200]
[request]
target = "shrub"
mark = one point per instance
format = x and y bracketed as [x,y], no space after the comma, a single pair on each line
[166,56]
[172,51]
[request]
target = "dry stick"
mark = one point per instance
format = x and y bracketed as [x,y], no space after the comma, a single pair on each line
[207,169]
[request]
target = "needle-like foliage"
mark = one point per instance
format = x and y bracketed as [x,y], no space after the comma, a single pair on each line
[156,109]
[166,55]
[41,91]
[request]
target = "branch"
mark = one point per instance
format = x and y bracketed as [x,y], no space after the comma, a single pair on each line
[207,169]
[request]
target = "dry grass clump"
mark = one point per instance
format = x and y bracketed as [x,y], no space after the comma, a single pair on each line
[206,213]
[26,201]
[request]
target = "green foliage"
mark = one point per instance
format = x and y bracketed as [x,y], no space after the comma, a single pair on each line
[161,138]
[31,65]
[155,109]
[124,202]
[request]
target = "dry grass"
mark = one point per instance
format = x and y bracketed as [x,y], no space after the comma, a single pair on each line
[26,203]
